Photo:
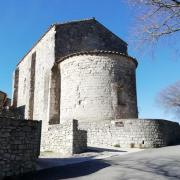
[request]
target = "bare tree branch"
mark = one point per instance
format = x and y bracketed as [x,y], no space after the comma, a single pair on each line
[169,98]
[157,18]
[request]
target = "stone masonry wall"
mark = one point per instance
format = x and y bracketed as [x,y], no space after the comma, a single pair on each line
[65,138]
[132,133]
[2,98]
[44,57]
[12,113]
[97,87]
[20,146]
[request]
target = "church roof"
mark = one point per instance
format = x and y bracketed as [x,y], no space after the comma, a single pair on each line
[83,35]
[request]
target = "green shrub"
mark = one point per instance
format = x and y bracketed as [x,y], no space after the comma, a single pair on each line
[117,145]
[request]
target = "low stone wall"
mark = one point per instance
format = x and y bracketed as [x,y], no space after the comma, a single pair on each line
[2,99]
[64,138]
[15,113]
[20,146]
[145,133]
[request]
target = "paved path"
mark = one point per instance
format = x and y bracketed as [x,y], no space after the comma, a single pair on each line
[151,164]
[51,159]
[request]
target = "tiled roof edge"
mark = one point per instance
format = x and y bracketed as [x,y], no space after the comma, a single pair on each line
[97,52]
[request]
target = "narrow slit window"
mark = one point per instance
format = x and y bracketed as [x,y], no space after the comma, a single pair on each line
[32,86]
[16,86]
[120,96]
[55,96]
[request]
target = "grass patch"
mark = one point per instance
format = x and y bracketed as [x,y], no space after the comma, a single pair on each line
[117,145]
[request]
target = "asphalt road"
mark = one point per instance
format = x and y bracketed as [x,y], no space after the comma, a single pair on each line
[151,164]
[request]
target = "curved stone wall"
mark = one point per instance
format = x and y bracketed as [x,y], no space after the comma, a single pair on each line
[143,133]
[97,86]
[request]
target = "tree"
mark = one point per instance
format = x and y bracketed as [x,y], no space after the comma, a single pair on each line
[156,18]
[169,98]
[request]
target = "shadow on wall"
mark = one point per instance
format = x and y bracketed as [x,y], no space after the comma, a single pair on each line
[65,172]
[79,139]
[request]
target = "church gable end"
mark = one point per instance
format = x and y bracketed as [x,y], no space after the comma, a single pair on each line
[87,35]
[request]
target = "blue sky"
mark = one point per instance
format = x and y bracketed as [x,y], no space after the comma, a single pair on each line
[22,22]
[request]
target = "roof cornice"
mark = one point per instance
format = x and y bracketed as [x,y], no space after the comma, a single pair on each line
[97,52]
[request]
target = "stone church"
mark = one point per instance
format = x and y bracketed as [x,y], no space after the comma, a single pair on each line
[77,70]
[81,70]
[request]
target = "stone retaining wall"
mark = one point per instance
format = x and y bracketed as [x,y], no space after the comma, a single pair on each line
[143,133]
[20,146]
[65,138]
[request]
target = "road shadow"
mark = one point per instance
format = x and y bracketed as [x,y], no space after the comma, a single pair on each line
[98,149]
[91,153]
[147,165]
[46,163]
[65,172]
